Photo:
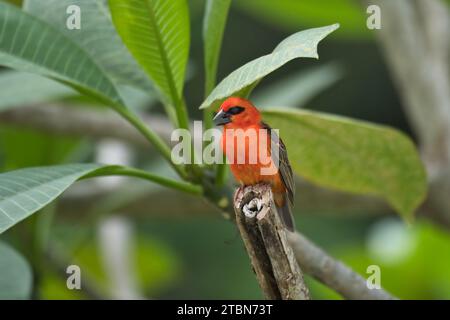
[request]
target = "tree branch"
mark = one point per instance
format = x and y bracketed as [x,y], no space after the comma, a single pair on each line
[264,237]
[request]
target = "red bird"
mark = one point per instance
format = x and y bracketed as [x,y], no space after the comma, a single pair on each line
[241,118]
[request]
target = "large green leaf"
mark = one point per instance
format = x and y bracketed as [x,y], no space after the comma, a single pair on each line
[15,274]
[216,13]
[302,44]
[30,44]
[97,36]
[23,89]
[157,34]
[353,156]
[25,191]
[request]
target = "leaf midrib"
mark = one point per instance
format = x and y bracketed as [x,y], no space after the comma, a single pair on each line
[162,50]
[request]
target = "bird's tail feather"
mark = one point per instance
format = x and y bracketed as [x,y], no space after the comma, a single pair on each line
[285,213]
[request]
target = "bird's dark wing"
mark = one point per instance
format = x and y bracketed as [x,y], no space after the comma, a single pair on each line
[281,158]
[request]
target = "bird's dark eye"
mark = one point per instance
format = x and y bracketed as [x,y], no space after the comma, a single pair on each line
[235,110]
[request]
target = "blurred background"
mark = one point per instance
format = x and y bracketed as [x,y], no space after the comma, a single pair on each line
[135,240]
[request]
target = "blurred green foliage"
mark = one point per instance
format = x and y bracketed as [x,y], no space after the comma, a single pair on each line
[27,148]
[157,268]
[414,261]
[294,14]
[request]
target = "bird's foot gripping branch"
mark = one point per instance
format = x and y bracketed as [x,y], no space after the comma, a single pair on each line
[266,242]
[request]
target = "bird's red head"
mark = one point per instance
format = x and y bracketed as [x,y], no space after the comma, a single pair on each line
[237,112]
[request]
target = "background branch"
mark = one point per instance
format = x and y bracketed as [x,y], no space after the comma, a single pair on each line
[82,198]
[84,121]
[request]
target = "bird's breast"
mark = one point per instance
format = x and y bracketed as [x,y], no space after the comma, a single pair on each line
[249,156]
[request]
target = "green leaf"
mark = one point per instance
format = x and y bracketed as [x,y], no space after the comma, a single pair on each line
[21,89]
[15,274]
[214,22]
[299,88]
[25,191]
[353,156]
[157,34]
[240,82]
[97,36]
[32,45]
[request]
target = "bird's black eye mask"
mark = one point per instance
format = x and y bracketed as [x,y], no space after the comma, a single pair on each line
[235,110]
[223,117]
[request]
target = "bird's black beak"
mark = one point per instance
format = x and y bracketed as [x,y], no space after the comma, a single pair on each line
[221,118]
